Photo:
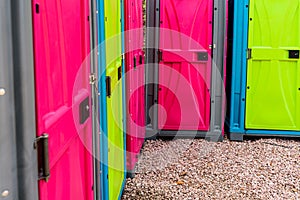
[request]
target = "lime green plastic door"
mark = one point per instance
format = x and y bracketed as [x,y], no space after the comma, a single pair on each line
[114,98]
[273,74]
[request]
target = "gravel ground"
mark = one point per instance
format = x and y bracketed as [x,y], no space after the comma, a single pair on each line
[197,169]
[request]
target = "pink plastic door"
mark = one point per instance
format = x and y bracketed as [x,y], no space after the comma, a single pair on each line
[61,42]
[185,66]
[134,66]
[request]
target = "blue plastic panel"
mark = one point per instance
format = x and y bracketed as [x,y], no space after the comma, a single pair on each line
[102,99]
[239,64]
[123,89]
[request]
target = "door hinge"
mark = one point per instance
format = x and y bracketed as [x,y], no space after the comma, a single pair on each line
[159,55]
[123,56]
[249,53]
[92,79]
[42,147]
[212,46]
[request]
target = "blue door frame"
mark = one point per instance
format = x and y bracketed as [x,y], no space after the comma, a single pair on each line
[102,99]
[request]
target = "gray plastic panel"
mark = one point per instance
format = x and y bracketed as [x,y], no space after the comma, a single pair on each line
[218,66]
[150,54]
[151,70]
[214,137]
[24,98]
[8,165]
[95,102]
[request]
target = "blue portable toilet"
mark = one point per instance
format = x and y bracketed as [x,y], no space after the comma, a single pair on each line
[263,96]
[123,89]
[109,189]
[102,108]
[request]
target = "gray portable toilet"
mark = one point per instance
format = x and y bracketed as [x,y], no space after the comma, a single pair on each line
[18,159]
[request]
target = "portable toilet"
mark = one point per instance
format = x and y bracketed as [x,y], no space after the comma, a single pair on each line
[134,67]
[98,90]
[63,98]
[18,158]
[191,51]
[264,87]
[101,75]
[116,138]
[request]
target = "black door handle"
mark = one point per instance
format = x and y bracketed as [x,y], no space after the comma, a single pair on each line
[108,86]
[84,110]
[134,62]
[41,145]
[119,72]
[141,59]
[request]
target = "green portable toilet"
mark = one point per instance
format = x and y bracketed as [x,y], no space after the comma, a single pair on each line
[265,68]
[273,73]
[115,134]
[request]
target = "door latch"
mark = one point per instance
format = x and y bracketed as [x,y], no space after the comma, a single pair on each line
[92,79]
[202,56]
[294,54]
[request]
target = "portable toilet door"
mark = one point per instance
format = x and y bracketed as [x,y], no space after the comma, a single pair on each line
[61,48]
[264,82]
[191,82]
[273,71]
[115,134]
[185,64]
[134,67]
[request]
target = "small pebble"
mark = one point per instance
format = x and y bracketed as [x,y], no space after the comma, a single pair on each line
[197,169]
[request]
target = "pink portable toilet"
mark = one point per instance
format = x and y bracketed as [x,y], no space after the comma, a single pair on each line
[61,45]
[185,64]
[134,67]
[191,52]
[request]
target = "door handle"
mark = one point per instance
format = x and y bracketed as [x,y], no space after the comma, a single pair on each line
[37,8]
[134,62]
[119,72]
[141,59]
[108,86]
[84,110]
